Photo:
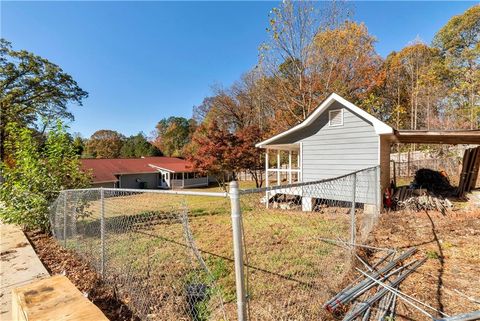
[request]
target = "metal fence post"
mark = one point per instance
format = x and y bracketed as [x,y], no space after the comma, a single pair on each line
[102,232]
[378,190]
[65,218]
[238,250]
[352,211]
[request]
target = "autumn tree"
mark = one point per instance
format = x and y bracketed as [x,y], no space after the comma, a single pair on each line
[241,105]
[172,134]
[284,57]
[104,144]
[212,151]
[344,61]
[34,92]
[250,158]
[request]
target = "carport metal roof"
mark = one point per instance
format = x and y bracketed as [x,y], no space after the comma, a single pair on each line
[437,137]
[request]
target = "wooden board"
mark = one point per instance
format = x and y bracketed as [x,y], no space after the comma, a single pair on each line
[54,298]
[464,172]
[475,170]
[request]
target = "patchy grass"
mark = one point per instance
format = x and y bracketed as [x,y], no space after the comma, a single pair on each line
[290,271]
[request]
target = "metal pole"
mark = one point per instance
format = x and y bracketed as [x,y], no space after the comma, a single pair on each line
[238,250]
[352,211]
[65,219]
[267,195]
[102,232]
[470,316]
[378,189]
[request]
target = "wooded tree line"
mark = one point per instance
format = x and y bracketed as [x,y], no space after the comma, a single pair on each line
[170,137]
[314,51]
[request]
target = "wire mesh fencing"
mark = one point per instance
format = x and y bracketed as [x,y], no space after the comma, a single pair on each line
[292,268]
[143,246]
[451,166]
[176,255]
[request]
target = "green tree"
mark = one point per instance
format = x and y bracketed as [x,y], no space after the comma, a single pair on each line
[459,43]
[78,144]
[138,146]
[36,175]
[34,92]
[105,143]
[173,134]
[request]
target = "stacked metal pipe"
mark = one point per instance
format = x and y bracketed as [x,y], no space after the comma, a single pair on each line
[353,291]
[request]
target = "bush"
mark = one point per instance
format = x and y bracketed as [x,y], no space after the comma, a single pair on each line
[34,175]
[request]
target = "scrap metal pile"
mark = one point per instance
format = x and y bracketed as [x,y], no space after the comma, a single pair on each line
[374,294]
[419,200]
[428,191]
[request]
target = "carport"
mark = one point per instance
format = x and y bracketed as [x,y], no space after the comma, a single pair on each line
[471,157]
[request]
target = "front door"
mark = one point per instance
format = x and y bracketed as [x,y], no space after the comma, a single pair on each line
[164,178]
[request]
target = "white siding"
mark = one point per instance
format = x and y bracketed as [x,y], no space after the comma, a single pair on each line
[331,151]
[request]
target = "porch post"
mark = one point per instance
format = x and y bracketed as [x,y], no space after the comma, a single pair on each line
[183,179]
[267,198]
[278,167]
[266,167]
[290,166]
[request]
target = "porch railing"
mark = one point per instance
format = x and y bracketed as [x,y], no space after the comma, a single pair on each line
[189,182]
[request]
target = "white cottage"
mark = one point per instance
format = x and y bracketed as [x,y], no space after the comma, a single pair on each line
[338,138]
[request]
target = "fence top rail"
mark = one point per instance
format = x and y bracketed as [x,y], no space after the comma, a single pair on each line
[158,191]
[300,184]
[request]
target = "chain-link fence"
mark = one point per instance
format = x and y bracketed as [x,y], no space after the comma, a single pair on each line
[451,166]
[142,245]
[291,267]
[189,255]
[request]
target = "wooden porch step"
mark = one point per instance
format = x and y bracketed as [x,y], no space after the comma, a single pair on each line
[53,298]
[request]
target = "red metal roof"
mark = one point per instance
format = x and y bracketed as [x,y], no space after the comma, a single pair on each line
[104,170]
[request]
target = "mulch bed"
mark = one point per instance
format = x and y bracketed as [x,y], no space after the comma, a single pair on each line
[58,260]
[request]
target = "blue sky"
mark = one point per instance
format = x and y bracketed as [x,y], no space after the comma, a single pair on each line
[143,61]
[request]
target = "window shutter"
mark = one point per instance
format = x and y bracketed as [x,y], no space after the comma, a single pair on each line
[335,117]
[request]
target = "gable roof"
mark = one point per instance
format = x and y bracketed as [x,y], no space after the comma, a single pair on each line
[105,170]
[379,126]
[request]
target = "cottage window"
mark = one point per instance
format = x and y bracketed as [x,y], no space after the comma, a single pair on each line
[335,117]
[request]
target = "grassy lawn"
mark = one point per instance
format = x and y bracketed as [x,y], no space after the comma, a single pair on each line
[290,272]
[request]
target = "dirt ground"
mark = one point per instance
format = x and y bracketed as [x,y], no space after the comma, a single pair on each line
[58,260]
[451,243]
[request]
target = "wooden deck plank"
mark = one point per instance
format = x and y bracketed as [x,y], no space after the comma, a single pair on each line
[54,298]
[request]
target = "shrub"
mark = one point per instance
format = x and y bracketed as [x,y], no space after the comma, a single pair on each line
[34,175]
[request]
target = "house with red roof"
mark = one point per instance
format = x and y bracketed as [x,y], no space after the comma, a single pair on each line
[143,173]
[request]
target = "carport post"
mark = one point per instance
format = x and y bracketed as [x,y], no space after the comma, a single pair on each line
[352,211]
[102,232]
[238,250]
[378,189]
